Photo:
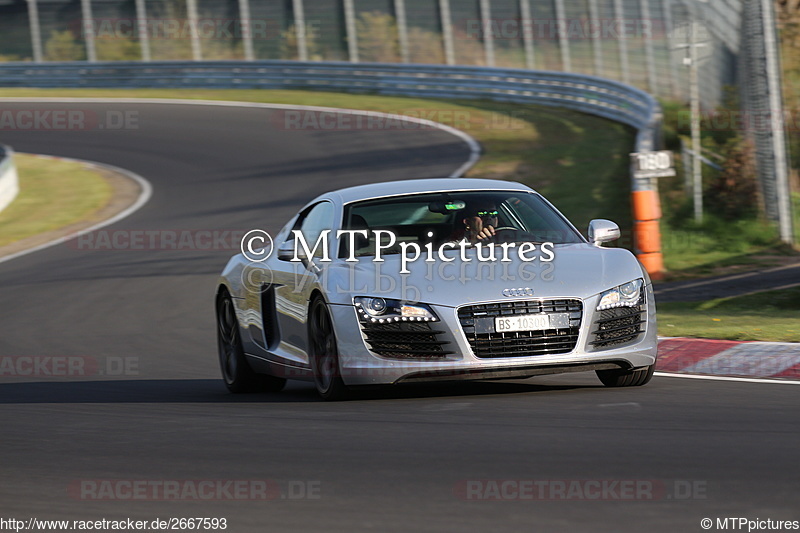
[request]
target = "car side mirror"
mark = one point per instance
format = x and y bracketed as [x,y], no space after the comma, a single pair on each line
[601,230]
[286,251]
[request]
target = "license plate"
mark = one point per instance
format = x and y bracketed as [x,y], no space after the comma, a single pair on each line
[522,323]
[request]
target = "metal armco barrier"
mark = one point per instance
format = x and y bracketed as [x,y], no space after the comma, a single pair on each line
[9,184]
[588,94]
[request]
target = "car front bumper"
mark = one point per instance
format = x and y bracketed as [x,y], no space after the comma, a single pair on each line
[360,366]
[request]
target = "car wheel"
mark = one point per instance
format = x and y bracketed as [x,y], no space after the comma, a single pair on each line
[324,352]
[236,371]
[626,378]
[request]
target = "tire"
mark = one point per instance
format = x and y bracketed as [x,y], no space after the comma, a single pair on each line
[236,371]
[324,353]
[626,378]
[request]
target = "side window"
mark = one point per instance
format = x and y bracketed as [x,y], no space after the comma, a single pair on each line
[317,219]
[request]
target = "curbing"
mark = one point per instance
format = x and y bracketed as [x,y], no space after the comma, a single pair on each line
[9,181]
[733,359]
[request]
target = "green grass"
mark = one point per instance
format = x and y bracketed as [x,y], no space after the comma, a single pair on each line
[53,194]
[764,316]
[578,161]
[718,246]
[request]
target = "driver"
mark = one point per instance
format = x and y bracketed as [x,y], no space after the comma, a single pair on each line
[480,221]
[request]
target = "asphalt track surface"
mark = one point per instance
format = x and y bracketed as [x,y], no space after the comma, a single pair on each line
[399,460]
[770,279]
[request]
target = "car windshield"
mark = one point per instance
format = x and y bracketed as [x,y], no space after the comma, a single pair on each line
[437,218]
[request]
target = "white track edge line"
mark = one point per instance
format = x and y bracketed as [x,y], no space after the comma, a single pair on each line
[144,197]
[473,145]
[727,378]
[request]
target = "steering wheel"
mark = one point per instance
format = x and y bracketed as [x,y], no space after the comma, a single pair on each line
[501,234]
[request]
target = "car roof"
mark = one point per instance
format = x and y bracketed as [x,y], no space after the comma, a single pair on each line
[412,186]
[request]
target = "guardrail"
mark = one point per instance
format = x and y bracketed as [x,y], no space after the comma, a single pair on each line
[588,94]
[9,183]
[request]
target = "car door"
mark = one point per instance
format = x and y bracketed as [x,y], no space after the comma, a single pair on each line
[293,281]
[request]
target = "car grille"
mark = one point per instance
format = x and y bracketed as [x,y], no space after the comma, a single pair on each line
[405,340]
[617,326]
[520,343]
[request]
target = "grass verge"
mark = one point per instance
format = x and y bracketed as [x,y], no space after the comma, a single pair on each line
[53,194]
[764,316]
[719,247]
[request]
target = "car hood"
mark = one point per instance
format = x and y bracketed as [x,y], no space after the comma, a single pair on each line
[576,271]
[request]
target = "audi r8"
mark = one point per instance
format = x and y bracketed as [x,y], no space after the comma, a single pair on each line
[432,280]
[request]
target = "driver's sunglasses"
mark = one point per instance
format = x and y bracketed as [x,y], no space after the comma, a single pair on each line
[487,214]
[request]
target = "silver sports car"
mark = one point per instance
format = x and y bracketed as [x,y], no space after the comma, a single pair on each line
[432,280]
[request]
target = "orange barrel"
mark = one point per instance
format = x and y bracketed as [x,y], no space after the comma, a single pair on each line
[646,236]
[646,205]
[654,264]
[646,233]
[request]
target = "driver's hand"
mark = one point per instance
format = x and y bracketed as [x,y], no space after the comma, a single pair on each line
[486,233]
[478,232]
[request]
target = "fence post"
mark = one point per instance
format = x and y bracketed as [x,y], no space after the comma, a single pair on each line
[563,39]
[447,32]
[782,187]
[247,30]
[88,30]
[666,9]
[299,16]
[194,31]
[623,45]
[597,41]
[144,36]
[488,37]
[36,32]
[527,33]
[402,30]
[350,28]
[652,83]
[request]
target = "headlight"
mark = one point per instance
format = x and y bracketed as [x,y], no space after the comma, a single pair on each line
[627,295]
[384,310]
